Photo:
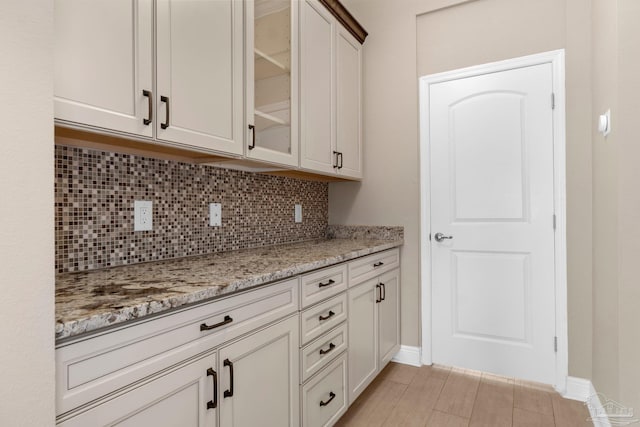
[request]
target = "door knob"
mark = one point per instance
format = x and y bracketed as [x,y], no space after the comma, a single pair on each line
[440,237]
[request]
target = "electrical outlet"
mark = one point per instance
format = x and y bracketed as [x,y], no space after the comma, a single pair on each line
[142,215]
[215,214]
[297,213]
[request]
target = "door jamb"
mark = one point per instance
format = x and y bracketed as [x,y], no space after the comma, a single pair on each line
[557,59]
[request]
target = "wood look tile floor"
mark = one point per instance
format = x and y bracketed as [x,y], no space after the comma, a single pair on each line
[437,396]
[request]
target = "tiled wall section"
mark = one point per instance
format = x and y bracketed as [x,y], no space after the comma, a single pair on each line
[95,192]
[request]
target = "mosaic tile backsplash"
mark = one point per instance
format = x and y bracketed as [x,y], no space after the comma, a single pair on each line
[95,193]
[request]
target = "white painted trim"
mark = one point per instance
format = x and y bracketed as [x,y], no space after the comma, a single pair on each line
[582,390]
[408,355]
[556,58]
[578,389]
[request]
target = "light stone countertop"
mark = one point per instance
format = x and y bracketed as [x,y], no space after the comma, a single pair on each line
[88,301]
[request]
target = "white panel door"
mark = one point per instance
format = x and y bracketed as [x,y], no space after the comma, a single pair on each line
[181,398]
[259,378]
[317,86]
[103,73]
[492,186]
[348,104]
[200,74]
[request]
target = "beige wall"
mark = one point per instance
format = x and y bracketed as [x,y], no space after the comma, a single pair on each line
[26,213]
[605,201]
[629,201]
[418,37]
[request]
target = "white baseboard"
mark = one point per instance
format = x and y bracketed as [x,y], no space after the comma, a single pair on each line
[583,390]
[408,355]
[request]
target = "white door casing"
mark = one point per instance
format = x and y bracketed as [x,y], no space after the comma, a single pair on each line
[494,296]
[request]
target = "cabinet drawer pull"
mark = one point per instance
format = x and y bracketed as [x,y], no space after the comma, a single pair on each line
[331,314]
[335,157]
[213,404]
[378,294]
[330,282]
[149,96]
[252,128]
[165,99]
[332,395]
[383,292]
[378,264]
[226,321]
[331,347]
[340,155]
[229,393]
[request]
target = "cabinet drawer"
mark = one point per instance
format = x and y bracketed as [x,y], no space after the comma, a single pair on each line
[372,265]
[322,284]
[320,318]
[324,397]
[90,368]
[323,350]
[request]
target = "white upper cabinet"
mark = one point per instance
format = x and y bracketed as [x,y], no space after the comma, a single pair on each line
[104,56]
[330,96]
[317,88]
[271,35]
[104,64]
[348,104]
[199,74]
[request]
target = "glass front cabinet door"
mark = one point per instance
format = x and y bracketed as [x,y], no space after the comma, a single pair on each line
[272,81]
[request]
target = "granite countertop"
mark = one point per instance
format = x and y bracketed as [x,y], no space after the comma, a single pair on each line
[88,301]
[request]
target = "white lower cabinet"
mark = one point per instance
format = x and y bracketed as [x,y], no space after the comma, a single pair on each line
[324,397]
[374,329]
[259,378]
[183,397]
[250,359]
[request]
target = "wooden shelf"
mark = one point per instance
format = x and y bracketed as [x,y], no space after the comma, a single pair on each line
[271,60]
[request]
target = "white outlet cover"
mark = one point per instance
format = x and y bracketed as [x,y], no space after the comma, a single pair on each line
[215,214]
[142,215]
[297,215]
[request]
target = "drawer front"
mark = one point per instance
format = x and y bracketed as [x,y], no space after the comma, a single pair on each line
[324,397]
[321,351]
[372,265]
[320,318]
[322,284]
[91,368]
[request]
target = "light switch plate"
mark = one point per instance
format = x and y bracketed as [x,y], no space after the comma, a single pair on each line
[297,215]
[142,215]
[215,214]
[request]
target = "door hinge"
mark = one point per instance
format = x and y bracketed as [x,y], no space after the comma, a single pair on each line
[554,221]
[555,344]
[553,101]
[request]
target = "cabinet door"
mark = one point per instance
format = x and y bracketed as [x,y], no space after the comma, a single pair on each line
[317,87]
[177,399]
[389,317]
[103,62]
[199,74]
[363,336]
[348,103]
[259,376]
[271,34]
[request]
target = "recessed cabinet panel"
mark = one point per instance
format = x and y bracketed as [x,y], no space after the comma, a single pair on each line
[260,378]
[317,87]
[199,73]
[348,101]
[389,316]
[103,52]
[178,398]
